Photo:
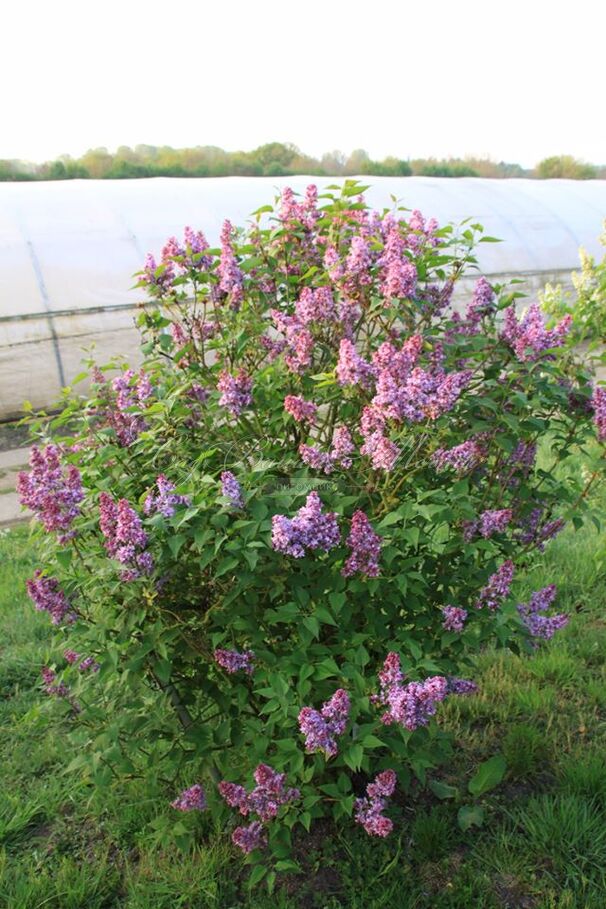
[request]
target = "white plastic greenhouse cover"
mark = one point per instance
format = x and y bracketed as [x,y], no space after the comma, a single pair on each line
[68,251]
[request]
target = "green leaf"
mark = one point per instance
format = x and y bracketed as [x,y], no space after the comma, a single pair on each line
[227,564]
[353,757]
[288,865]
[488,775]
[313,626]
[257,874]
[443,790]
[64,557]
[371,741]
[470,816]
[176,542]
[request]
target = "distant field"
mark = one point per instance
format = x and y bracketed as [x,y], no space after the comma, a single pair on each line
[543,845]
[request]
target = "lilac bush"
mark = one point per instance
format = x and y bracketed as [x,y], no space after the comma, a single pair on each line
[281,543]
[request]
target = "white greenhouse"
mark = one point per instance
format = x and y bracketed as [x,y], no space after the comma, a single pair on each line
[68,251]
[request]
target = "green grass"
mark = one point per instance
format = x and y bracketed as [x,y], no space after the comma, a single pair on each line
[542,846]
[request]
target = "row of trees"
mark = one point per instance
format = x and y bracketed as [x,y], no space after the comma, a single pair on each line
[275,159]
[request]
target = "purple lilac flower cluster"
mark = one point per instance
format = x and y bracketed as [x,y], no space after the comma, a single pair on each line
[273,346]
[365,547]
[352,369]
[86,664]
[300,409]
[58,689]
[231,489]
[299,342]
[454,618]
[489,523]
[157,277]
[166,501]
[231,279]
[315,306]
[461,686]
[192,799]
[338,456]
[368,811]
[421,231]
[409,705]
[383,453]
[236,391]
[265,800]
[529,338]
[523,457]
[125,539]
[47,596]
[403,390]
[190,253]
[292,213]
[481,305]
[321,728]
[520,463]
[130,391]
[463,458]
[534,530]
[52,492]
[311,528]
[412,705]
[598,402]
[232,661]
[398,273]
[531,613]
[498,587]
[425,394]
[252,836]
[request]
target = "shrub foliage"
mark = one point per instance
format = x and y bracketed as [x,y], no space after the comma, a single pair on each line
[274,550]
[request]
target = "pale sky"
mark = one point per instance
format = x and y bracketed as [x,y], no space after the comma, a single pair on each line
[513,80]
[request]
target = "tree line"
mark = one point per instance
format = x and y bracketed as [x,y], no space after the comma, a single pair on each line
[277,159]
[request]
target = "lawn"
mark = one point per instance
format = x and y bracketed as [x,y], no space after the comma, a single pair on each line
[542,844]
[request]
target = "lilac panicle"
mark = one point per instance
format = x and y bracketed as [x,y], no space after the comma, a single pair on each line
[462,458]
[369,811]
[338,456]
[413,704]
[249,838]
[398,273]
[311,528]
[231,489]
[454,618]
[321,728]
[58,689]
[231,279]
[125,538]
[342,447]
[232,661]
[498,587]
[166,501]
[383,453]
[236,391]
[531,613]
[51,491]
[529,338]
[489,523]
[598,402]
[47,596]
[315,306]
[352,369]
[192,799]
[264,800]
[365,547]
[300,409]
